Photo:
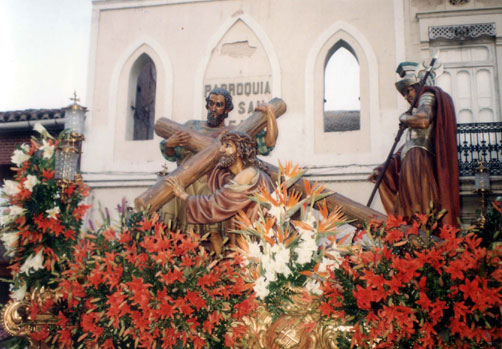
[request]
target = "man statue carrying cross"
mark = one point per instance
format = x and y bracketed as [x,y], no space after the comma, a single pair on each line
[218,105]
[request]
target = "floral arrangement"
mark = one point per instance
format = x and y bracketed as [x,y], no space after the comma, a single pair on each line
[291,244]
[133,285]
[139,285]
[40,222]
[419,286]
[136,284]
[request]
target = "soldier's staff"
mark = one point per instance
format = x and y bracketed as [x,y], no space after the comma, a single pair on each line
[402,127]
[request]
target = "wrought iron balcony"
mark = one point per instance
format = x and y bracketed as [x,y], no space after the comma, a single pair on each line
[481,141]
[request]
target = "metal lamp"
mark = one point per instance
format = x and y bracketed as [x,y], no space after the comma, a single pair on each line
[482,185]
[69,150]
[75,119]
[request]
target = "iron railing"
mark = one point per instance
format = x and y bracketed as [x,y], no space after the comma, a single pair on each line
[480,141]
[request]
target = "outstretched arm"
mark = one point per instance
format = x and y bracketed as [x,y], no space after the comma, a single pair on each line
[178,189]
[272,131]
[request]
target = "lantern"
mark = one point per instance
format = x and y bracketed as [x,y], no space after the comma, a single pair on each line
[482,185]
[69,150]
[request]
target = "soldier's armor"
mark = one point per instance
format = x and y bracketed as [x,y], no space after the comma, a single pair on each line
[421,137]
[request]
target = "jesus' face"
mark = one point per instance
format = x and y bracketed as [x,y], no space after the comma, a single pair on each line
[228,152]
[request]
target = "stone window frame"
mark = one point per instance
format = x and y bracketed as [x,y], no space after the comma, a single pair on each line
[337,46]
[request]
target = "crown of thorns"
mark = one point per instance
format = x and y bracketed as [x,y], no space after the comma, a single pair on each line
[245,145]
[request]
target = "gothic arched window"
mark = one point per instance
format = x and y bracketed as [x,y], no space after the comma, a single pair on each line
[341,89]
[143,79]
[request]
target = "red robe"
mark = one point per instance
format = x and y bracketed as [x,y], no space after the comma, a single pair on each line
[409,186]
[227,199]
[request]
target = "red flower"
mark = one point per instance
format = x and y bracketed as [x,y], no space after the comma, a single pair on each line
[69,234]
[393,236]
[424,301]
[108,344]
[47,174]
[198,342]
[326,309]
[236,333]
[395,221]
[79,211]
[195,299]
[212,320]
[470,288]
[40,336]
[245,307]
[172,276]
[208,279]
[96,277]
[436,311]
[181,304]
[461,310]
[64,340]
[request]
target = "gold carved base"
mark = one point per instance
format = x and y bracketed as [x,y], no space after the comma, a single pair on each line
[299,327]
[16,320]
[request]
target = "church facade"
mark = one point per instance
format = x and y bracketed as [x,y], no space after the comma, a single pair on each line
[332,62]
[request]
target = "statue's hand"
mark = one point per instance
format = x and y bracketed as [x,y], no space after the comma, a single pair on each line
[266,109]
[176,186]
[180,138]
[404,118]
[373,176]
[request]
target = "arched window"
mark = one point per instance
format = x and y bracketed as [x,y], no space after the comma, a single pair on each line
[341,89]
[143,81]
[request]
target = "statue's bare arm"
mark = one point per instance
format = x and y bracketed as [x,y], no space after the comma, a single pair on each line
[272,130]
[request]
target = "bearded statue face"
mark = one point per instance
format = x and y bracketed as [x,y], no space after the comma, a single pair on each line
[227,160]
[216,111]
[228,152]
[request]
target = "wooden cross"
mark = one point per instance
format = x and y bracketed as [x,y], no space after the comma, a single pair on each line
[207,156]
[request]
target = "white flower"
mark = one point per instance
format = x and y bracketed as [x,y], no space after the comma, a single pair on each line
[39,128]
[279,264]
[53,212]
[11,188]
[281,253]
[270,275]
[313,287]
[47,149]
[276,212]
[32,263]
[10,242]
[255,250]
[304,255]
[15,211]
[19,293]
[25,147]
[19,157]
[4,219]
[30,182]
[305,249]
[261,287]
[325,263]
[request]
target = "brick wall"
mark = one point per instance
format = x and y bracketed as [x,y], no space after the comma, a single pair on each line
[9,142]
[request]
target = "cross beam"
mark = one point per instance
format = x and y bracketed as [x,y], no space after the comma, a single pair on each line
[207,155]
